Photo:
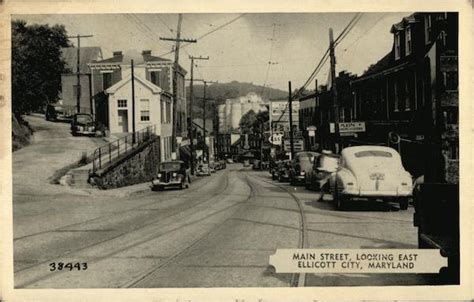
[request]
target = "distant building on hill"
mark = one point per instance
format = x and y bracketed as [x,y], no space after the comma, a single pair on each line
[230,113]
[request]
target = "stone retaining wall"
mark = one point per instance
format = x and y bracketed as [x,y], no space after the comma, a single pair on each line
[138,166]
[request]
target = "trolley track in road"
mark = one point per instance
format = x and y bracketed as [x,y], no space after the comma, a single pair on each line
[185,192]
[297,279]
[195,203]
[143,277]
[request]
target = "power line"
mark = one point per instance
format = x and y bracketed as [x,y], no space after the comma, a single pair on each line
[365,32]
[269,60]
[144,29]
[208,33]
[325,57]
[348,28]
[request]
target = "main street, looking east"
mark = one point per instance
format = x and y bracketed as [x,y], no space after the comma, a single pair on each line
[218,233]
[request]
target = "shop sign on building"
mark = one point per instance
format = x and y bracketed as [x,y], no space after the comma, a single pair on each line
[351,127]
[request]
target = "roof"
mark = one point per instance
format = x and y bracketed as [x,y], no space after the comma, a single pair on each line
[124,81]
[401,25]
[352,150]
[381,64]
[137,58]
[87,55]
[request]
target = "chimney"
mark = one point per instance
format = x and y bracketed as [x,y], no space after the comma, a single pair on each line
[146,54]
[117,54]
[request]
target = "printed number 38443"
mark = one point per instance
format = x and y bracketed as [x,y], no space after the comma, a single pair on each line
[59,266]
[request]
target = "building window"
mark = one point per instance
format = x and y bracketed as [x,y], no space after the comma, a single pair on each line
[144,115]
[395,96]
[106,80]
[76,90]
[168,112]
[162,103]
[122,103]
[450,80]
[407,96]
[155,78]
[145,110]
[427,28]
[397,46]
[408,42]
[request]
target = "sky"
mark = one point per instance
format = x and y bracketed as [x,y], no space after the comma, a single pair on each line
[294,43]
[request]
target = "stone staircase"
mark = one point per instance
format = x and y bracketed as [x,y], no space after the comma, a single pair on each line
[77,178]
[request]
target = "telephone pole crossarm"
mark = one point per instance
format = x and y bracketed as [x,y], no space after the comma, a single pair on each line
[179,40]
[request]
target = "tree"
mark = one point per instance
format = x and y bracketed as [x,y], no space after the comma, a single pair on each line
[262,118]
[36,65]
[247,122]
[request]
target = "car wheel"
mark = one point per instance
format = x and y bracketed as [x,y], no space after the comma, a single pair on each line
[338,200]
[341,202]
[403,203]
[307,184]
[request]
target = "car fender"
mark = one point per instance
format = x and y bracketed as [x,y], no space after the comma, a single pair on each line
[343,177]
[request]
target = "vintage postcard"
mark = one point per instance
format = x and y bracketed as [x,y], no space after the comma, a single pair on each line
[176,151]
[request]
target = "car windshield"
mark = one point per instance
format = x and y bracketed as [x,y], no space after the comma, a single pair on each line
[170,166]
[373,153]
[83,119]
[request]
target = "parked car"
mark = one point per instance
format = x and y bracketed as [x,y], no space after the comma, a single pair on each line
[323,166]
[222,164]
[300,165]
[203,170]
[212,167]
[246,163]
[372,172]
[265,165]
[173,173]
[256,164]
[58,113]
[82,124]
[284,171]
[274,169]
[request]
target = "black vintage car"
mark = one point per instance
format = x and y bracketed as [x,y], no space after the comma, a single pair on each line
[173,173]
[83,124]
[300,165]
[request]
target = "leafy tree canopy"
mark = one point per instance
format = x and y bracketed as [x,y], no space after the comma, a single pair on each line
[247,122]
[252,122]
[36,65]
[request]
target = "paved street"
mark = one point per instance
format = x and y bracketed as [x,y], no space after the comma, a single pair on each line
[218,233]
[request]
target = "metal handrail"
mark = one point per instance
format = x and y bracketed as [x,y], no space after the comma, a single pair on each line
[108,153]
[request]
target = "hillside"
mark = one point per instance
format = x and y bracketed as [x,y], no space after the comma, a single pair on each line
[223,91]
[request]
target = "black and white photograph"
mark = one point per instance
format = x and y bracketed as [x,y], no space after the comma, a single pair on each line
[183,150]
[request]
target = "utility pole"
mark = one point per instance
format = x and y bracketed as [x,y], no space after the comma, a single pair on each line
[178,40]
[290,100]
[190,111]
[133,103]
[334,90]
[78,70]
[204,98]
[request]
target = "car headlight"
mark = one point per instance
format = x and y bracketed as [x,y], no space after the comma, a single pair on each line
[175,174]
[302,173]
[159,175]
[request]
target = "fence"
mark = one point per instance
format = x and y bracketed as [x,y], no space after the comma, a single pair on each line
[106,154]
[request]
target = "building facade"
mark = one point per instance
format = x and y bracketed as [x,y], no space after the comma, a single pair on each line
[156,70]
[112,90]
[69,87]
[409,92]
